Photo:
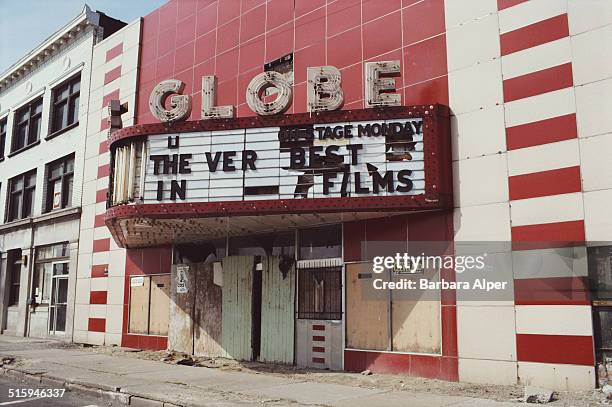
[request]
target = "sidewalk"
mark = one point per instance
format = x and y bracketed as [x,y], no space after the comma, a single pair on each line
[151,383]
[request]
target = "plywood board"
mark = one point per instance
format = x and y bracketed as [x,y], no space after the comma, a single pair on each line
[236,315]
[208,317]
[277,312]
[180,332]
[139,308]
[416,318]
[160,305]
[367,310]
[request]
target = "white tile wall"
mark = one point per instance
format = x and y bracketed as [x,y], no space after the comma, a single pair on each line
[556,376]
[547,209]
[481,180]
[594,104]
[545,157]
[528,13]
[476,87]
[592,55]
[486,332]
[596,170]
[535,59]
[488,137]
[540,107]
[456,13]
[482,223]
[472,43]
[586,15]
[550,263]
[597,219]
[479,371]
[554,320]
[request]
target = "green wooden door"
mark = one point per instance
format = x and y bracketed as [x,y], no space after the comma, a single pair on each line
[236,311]
[277,312]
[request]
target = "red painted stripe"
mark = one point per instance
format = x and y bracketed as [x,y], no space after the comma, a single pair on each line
[566,349]
[547,235]
[114,52]
[103,147]
[542,132]
[99,221]
[318,349]
[96,325]
[101,245]
[99,270]
[112,75]
[545,183]
[537,83]
[103,170]
[318,360]
[504,4]
[535,34]
[97,297]
[318,338]
[101,195]
[551,291]
[104,124]
[318,327]
[114,95]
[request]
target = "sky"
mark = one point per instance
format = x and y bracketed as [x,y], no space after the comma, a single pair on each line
[24,24]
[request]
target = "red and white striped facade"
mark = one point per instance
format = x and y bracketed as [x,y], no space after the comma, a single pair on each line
[528,84]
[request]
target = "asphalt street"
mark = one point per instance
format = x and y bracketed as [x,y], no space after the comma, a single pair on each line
[69,399]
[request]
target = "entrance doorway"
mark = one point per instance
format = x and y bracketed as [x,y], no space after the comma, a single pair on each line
[59,299]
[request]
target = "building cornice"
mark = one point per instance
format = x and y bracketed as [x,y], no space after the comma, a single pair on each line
[50,47]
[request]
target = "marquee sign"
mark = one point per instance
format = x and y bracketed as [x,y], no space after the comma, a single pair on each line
[381,157]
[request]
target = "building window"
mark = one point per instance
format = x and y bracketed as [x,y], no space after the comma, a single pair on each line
[28,120]
[15,276]
[60,174]
[50,260]
[21,196]
[65,109]
[3,124]
[320,293]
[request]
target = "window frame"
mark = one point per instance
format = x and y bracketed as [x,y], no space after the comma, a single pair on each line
[69,101]
[30,107]
[64,178]
[38,279]
[15,283]
[21,193]
[3,133]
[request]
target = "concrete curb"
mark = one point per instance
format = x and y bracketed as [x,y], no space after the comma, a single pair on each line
[111,393]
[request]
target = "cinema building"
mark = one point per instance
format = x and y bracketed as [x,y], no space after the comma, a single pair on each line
[43,120]
[269,149]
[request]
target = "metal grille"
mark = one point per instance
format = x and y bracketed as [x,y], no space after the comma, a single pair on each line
[320,293]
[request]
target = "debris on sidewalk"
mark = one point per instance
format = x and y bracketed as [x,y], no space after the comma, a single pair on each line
[538,395]
[366,372]
[7,360]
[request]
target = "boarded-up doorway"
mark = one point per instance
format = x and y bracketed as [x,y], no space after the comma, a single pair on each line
[277,311]
[237,302]
[195,323]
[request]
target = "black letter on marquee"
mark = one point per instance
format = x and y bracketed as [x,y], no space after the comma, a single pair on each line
[353,148]
[184,164]
[228,161]
[385,182]
[402,177]
[157,159]
[297,158]
[327,183]
[172,145]
[358,188]
[213,163]
[175,189]
[248,159]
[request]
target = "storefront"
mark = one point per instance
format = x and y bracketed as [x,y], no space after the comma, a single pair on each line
[234,155]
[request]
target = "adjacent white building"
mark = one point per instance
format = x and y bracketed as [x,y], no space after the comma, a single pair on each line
[43,121]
